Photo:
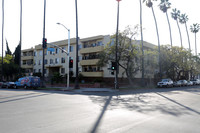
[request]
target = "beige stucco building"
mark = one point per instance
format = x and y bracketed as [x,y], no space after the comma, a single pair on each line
[57,61]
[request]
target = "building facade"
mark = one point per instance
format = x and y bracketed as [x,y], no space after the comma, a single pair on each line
[88,52]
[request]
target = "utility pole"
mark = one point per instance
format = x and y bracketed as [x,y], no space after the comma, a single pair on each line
[77,39]
[43,43]
[116,49]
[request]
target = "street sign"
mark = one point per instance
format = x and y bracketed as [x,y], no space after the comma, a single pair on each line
[51,49]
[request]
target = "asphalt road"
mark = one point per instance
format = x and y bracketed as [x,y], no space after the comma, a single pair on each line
[173,110]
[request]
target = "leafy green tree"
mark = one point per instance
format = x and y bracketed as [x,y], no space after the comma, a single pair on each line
[183,20]
[9,67]
[176,62]
[164,6]
[57,77]
[176,15]
[129,54]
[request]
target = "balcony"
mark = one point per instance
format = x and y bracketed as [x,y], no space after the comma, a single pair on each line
[92,74]
[89,62]
[25,66]
[92,50]
[27,57]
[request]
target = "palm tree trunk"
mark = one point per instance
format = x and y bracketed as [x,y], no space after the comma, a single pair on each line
[169,28]
[20,37]
[142,42]
[195,44]
[2,39]
[179,33]
[160,70]
[188,36]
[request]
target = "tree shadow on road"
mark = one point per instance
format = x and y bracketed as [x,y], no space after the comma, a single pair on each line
[147,103]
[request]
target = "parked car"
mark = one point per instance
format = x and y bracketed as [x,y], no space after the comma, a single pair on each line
[4,84]
[165,83]
[177,84]
[10,85]
[189,83]
[1,84]
[183,82]
[28,82]
[195,81]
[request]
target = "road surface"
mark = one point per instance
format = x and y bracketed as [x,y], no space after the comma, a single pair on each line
[173,110]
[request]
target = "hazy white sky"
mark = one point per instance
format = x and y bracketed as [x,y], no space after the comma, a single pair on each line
[96,17]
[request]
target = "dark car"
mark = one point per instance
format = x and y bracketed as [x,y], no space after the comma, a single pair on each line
[3,84]
[10,85]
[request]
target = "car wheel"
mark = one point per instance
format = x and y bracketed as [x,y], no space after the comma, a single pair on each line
[25,87]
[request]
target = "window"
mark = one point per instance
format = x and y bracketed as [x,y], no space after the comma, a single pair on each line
[100,43]
[51,61]
[56,60]
[45,61]
[79,46]
[39,70]
[64,49]
[35,53]
[45,71]
[35,62]
[62,70]
[57,50]
[39,62]
[62,60]
[34,70]
[71,49]
[40,53]
[79,58]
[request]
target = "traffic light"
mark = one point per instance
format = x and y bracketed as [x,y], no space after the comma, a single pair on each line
[113,65]
[44,43]
[70,63]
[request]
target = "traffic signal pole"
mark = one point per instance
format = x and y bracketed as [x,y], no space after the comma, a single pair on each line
[43,46]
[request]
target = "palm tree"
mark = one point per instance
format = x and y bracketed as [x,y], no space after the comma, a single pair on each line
[149,4]
[164,6]
[2,39]
[175,15]
[20,42]
[183,20]
[194,29]
[141,30]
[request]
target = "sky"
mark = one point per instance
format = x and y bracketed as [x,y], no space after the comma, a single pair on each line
[95,17]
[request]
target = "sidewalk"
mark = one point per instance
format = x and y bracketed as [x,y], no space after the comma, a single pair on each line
[94,90]
[86,89]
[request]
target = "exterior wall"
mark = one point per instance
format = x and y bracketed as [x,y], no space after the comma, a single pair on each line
[87,63]
[57,55]
[27,60]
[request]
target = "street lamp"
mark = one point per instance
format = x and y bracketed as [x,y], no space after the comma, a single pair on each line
[116,49]
[67,52]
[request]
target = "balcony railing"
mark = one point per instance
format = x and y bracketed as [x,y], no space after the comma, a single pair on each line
[92,74]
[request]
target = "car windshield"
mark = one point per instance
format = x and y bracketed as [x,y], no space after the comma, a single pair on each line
[165,80]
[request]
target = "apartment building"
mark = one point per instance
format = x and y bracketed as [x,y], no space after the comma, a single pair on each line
[88,52]
[27,59]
